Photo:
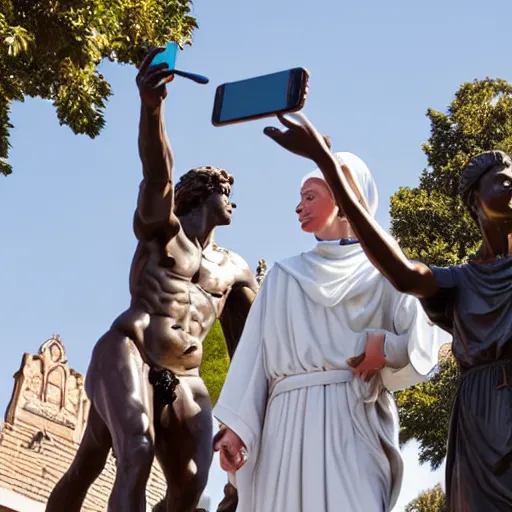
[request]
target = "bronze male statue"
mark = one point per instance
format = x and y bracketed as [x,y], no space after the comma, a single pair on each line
[147,398]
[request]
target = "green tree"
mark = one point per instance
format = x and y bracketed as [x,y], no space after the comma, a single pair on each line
[432,500]
[51,49]
[425,412]
[215,363]
[433,226]
[430,221]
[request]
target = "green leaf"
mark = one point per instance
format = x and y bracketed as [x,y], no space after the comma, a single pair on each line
[52,50]
[215,363]
[5,168]
[5,126]
[433,500]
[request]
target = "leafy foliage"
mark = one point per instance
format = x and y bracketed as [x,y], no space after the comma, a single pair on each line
[214,367]
[51,49]
[433,226]
[432,500]
[430,221]
[425,412]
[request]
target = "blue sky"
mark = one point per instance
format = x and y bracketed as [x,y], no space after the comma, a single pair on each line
[375,68]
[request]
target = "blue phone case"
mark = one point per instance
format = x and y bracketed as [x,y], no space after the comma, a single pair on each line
[168,56]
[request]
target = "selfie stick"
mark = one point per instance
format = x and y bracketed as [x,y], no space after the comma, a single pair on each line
[200,79]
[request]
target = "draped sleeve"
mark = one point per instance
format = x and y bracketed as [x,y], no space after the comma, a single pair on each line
[412,348]
[439,307]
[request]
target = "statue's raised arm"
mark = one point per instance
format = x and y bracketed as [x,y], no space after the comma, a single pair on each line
[472,301]
[303,139]
[155,207]
[148,399]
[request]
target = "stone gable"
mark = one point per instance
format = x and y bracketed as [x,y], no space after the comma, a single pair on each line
[43,426]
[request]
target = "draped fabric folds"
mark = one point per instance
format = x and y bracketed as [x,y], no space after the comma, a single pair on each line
[319,439]
[320,443]
[474,303]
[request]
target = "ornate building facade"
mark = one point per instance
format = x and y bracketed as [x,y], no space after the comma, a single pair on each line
[43,425]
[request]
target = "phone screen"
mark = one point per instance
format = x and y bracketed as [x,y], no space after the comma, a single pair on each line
[256,96]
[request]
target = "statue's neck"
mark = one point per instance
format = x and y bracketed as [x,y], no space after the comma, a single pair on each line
[198,228]
[339,229]
[497,239]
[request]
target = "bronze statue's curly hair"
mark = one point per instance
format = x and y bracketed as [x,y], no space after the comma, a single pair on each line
[196,185]
[473,172]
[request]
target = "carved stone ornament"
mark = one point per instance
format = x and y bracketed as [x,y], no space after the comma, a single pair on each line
[48,393]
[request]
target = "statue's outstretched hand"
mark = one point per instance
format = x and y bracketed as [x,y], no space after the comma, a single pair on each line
[233,454]
[367,364]
[301,137]
[152,80]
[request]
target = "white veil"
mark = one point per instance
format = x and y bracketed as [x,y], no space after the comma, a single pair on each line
[362,177]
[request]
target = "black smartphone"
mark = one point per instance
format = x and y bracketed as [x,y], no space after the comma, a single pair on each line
[262,96]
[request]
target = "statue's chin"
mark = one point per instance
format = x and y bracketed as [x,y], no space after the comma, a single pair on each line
[309,228]
[225,221]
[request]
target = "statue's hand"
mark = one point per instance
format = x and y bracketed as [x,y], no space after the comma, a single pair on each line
[367,364]
[233,454]
[301,137]
[151,80]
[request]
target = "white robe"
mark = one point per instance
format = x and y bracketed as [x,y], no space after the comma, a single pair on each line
[319,439]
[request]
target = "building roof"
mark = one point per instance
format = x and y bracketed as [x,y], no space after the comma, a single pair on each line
[44,423]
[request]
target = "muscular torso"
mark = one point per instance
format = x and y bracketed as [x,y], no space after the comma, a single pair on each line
[178,291]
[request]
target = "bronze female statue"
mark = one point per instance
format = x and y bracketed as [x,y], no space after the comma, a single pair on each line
[472,301]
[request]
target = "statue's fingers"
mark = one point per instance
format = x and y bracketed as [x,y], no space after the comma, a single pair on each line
[158,67]
[358,370]
[370,375]
[241,459]
[219,442]
[225,464]
[299,119]
[149,58]
[356,360]
[291,121]
[217,437]
[225,467]
[274,133]
[233,459]
[366,367]
[159,78]
[352,362]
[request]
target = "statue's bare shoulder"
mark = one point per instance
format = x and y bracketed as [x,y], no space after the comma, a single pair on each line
[244,276]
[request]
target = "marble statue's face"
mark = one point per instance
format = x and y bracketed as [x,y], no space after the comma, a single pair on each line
[317,207]
[494,195]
